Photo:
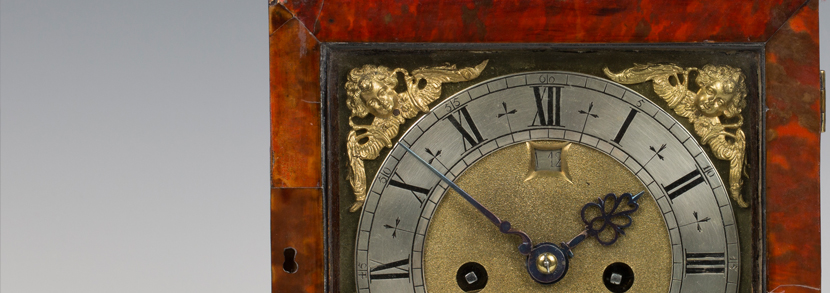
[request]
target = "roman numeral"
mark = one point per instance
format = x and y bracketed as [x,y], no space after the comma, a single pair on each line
[390,266]
[553,97]
[414,189]
[625,125]
[680,186]
[473,139]
[705,263]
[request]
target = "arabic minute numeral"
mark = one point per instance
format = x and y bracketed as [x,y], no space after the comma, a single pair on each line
[547,78]
[383,175]
[451,104]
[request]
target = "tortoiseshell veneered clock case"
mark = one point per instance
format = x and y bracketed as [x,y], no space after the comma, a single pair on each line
[314,44]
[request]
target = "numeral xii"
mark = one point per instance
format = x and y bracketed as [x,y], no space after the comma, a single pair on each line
[548,105]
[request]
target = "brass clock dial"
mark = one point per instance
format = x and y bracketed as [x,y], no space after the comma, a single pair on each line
[415,235]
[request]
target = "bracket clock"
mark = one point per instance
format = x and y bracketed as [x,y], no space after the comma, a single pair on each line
[536,146]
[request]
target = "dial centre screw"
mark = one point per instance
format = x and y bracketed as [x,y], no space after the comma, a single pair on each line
[546,263]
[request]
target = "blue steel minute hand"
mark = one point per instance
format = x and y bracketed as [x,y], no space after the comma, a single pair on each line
[504,226]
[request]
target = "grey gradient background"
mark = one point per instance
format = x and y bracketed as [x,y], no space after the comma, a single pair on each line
[134,140]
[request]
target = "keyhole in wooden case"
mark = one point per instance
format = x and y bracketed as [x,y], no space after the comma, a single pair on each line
[289,266]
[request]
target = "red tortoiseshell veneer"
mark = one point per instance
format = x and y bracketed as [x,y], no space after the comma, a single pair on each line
[788,29]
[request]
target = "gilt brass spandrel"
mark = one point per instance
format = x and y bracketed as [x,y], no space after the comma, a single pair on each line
[371,90]
[721,96]
[547,208]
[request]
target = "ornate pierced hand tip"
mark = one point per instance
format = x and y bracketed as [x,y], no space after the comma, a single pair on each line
[601,218]
[618,217]
[637,196]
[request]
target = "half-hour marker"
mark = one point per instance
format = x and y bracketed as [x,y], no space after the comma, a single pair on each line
[434,157]
[395,228]
[587,114]
[506,114]
[705,263]
[473,139]
[697,221]
[656,153]
[680,186]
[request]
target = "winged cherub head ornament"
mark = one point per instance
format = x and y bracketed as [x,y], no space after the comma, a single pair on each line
[372,90]
[721,96]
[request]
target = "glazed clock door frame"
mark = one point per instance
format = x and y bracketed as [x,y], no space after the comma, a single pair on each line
[788,31]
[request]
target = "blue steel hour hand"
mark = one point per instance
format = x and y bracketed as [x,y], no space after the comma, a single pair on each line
[616,218]
[504,226]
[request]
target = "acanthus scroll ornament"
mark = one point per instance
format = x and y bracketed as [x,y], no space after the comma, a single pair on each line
[721,96]
[371,90]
